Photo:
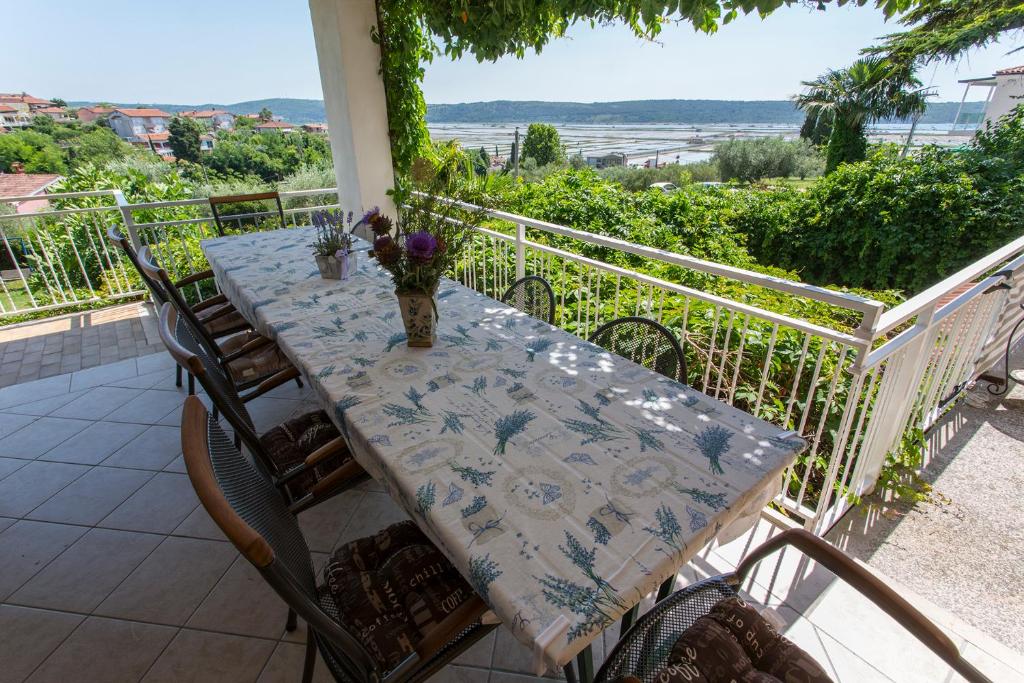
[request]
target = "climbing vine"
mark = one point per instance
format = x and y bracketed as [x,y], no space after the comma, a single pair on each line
[407,30]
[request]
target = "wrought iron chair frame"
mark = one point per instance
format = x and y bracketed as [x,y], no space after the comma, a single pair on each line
[550,319]
[661,329]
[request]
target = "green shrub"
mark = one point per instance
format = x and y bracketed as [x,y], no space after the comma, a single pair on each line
[751,160]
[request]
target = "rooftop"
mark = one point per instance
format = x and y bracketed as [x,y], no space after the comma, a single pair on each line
[25,184]
[145,113]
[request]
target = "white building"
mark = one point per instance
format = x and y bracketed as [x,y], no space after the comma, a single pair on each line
[132,124]
[1005,91]
[214,119]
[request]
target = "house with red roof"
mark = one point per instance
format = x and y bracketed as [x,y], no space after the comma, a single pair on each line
[27,185]
[56,113]
[24,102]
[1005,92]
[276,126]
[214,119]
[12,118]
[90,114]
[131,123]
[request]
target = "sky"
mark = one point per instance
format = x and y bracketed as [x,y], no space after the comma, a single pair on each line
[197,51]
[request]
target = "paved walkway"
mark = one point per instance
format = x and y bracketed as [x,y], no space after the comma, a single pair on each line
[963,548]
[44,348]
[105,549]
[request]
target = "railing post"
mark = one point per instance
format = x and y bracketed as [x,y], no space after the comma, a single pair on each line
[520,251]
[129,222]
[905,385]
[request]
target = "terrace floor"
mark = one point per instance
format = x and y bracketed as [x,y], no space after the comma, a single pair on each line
[111,571]
[76,341]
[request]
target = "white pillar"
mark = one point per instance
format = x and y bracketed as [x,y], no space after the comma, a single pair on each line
[357,115]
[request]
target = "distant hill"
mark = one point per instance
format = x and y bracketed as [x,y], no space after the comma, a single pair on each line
[650,111]
[509,111]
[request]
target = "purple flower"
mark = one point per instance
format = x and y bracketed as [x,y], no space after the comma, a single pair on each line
[421,246]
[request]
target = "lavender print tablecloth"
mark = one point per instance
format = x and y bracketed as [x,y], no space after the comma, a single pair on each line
[564,482]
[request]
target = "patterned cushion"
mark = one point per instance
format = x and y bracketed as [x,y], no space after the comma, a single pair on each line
[228,321]
[392,588]
[260,363]
[290,443]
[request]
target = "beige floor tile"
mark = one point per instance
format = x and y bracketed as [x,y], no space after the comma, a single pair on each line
[199,525]
[29,636]
[11,422]
[31,485]
[323,524]
[148,407]
[102,650]
[83,575]
[480,653]
[9,465]
[201,656]
[461,674]
[374,512]
[103,374]
[40,436]
[20,394]
[170,583]
[91,497]
[158,507]
[44,406]
[96,403]
[285,666]
[242,602]
[154,362]
[94,443]
[153,449]
[26,547]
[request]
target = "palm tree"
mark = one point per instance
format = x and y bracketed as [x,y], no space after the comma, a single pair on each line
[870,89]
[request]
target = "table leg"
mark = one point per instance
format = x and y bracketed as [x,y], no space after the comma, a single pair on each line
[665,589]
[570,673]
[585,663]
[627,620]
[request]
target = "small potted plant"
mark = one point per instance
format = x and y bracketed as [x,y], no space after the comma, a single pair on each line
[425,246]
[332,248]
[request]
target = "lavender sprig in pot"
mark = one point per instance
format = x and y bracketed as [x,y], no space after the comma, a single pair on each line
[332,247]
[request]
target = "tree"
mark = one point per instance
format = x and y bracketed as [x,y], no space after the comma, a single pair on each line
[946,29]
[184,139]
[265,114]
[35,151]
[58,102]
[871,89]
[543,145]
[752,160]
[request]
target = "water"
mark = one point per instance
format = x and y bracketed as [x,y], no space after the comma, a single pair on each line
[669,143]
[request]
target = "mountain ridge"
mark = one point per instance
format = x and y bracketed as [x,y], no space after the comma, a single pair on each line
[698,111]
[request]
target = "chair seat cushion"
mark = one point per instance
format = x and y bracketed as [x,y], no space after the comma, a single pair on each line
[391,589]
[290,443]
[222,322]
[262,362]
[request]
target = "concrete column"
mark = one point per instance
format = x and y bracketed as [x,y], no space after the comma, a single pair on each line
[357,115]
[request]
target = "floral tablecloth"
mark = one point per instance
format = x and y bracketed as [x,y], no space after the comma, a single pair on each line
[564,482]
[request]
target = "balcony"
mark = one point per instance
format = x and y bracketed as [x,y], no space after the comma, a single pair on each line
[105,548]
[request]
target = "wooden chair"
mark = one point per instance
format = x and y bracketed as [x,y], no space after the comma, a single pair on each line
[644,342]
[358,639]
[645,649]
[217,315]
[307,458]
[217,202]
[248,357]
[532,295]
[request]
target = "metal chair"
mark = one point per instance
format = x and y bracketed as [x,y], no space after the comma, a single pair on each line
[216,313]
[644,342]
[532,295]
[307,457]
[248,357]
[644,650]
[216,202]
[247,508]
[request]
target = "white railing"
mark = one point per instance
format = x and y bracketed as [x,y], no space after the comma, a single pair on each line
[61,258]
[854,382]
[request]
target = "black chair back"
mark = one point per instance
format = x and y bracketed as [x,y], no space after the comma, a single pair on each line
[532,295]
[250,511]
[217,202]
[155,288]
[644,342]
[183,344]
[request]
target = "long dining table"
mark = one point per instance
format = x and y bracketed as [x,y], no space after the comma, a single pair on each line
[564,482]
